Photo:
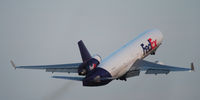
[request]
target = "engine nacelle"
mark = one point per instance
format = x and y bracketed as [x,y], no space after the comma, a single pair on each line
[89,65]
[97,57]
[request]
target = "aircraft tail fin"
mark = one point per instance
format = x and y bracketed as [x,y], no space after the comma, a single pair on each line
[83,51]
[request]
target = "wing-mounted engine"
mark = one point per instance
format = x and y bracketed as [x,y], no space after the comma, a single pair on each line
[89,63]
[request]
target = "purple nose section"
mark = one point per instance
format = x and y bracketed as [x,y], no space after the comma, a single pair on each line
[97,77]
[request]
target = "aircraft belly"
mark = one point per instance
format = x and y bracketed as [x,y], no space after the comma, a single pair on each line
[120,64]
[121,70]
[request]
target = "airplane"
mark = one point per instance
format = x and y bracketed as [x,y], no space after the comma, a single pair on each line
[124,63]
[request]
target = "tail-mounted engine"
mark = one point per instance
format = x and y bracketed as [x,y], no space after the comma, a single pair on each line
[89,63]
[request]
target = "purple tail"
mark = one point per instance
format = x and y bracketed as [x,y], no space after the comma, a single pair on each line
[84,52]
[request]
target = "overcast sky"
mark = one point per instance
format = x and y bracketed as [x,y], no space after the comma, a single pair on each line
[36,32]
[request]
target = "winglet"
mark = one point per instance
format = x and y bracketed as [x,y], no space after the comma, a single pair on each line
[13,64]
[192,66]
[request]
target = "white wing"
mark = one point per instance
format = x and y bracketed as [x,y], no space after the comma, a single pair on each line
[153,68]
[70,68]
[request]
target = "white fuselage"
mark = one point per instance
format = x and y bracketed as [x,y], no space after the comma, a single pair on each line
[120,61]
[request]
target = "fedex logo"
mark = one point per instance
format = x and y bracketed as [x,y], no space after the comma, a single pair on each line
[146,48]
[92,66]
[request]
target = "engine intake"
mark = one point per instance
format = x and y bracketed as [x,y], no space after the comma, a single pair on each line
[89,65]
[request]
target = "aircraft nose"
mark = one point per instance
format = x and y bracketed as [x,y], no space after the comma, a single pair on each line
[159,35]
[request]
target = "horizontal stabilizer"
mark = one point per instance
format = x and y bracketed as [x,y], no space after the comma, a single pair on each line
[69,78]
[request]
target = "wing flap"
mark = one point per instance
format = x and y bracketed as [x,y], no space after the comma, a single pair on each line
[157,71]
[132,73]
[71,68]
[146,65]
[153,68]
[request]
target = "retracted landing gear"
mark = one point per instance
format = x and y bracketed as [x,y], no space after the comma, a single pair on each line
[123,78]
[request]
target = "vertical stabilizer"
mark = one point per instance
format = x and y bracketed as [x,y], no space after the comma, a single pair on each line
[84,52]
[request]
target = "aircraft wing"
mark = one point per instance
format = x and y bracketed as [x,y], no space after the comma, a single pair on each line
[70,68]
[153,68]
[69,78]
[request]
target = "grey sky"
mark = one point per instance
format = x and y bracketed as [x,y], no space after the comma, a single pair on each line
[47,31]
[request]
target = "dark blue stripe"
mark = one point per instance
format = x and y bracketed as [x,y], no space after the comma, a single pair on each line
[89,80]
